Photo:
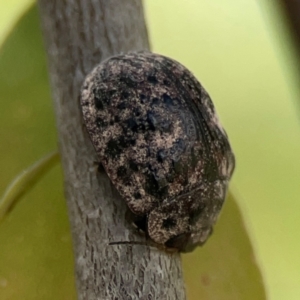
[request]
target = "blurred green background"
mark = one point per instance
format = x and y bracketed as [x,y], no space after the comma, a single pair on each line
[242,53]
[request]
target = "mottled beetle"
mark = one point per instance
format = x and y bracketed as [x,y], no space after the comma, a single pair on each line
[156,132]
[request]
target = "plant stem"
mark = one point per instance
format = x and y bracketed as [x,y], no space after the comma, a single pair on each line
[80,34]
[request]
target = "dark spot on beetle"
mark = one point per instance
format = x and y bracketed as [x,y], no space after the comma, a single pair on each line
[122,105]
[167,99]
[211,171]
[132,124]
[147,136]
[101,98]
[132,142]
[166,82]
[113,149]
[201,152]
[148,151]
[179,146]
[151,185]
[137,112]
[100,123]
[128,81]
[154,186]
[178,166]
[181,168]
[142,127]
[111,92]
[143,98]
[179,242]
[122,171]
[85,103]
[137,64]
[165,125]
[193,159]
[167,63]
[172,152]
[170,177]
[190,86]
[152,121]
[104,73]
[162,183]
[95,92]
[117,119]
[163,192]
[124,142]
[169,223]
[98,103]
[191,130]
[152,79]
[133,166]
[124,95]
[155,101]
[151,168]
[137,195]
[111,122]
[161,155]
[195,215]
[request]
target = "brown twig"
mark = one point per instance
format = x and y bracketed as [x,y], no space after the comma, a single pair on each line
[80,34]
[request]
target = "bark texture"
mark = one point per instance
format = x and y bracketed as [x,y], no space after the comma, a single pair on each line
[79,34]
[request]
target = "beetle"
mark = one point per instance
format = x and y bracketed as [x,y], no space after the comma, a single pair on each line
[159,139]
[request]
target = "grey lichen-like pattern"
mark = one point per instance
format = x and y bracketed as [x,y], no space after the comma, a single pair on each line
[157,134]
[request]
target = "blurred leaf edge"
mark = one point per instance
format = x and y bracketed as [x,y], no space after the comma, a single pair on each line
[24,181]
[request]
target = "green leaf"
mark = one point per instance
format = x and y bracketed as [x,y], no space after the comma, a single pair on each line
[10,12]
[36,256]
[225,267]
[24,181]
